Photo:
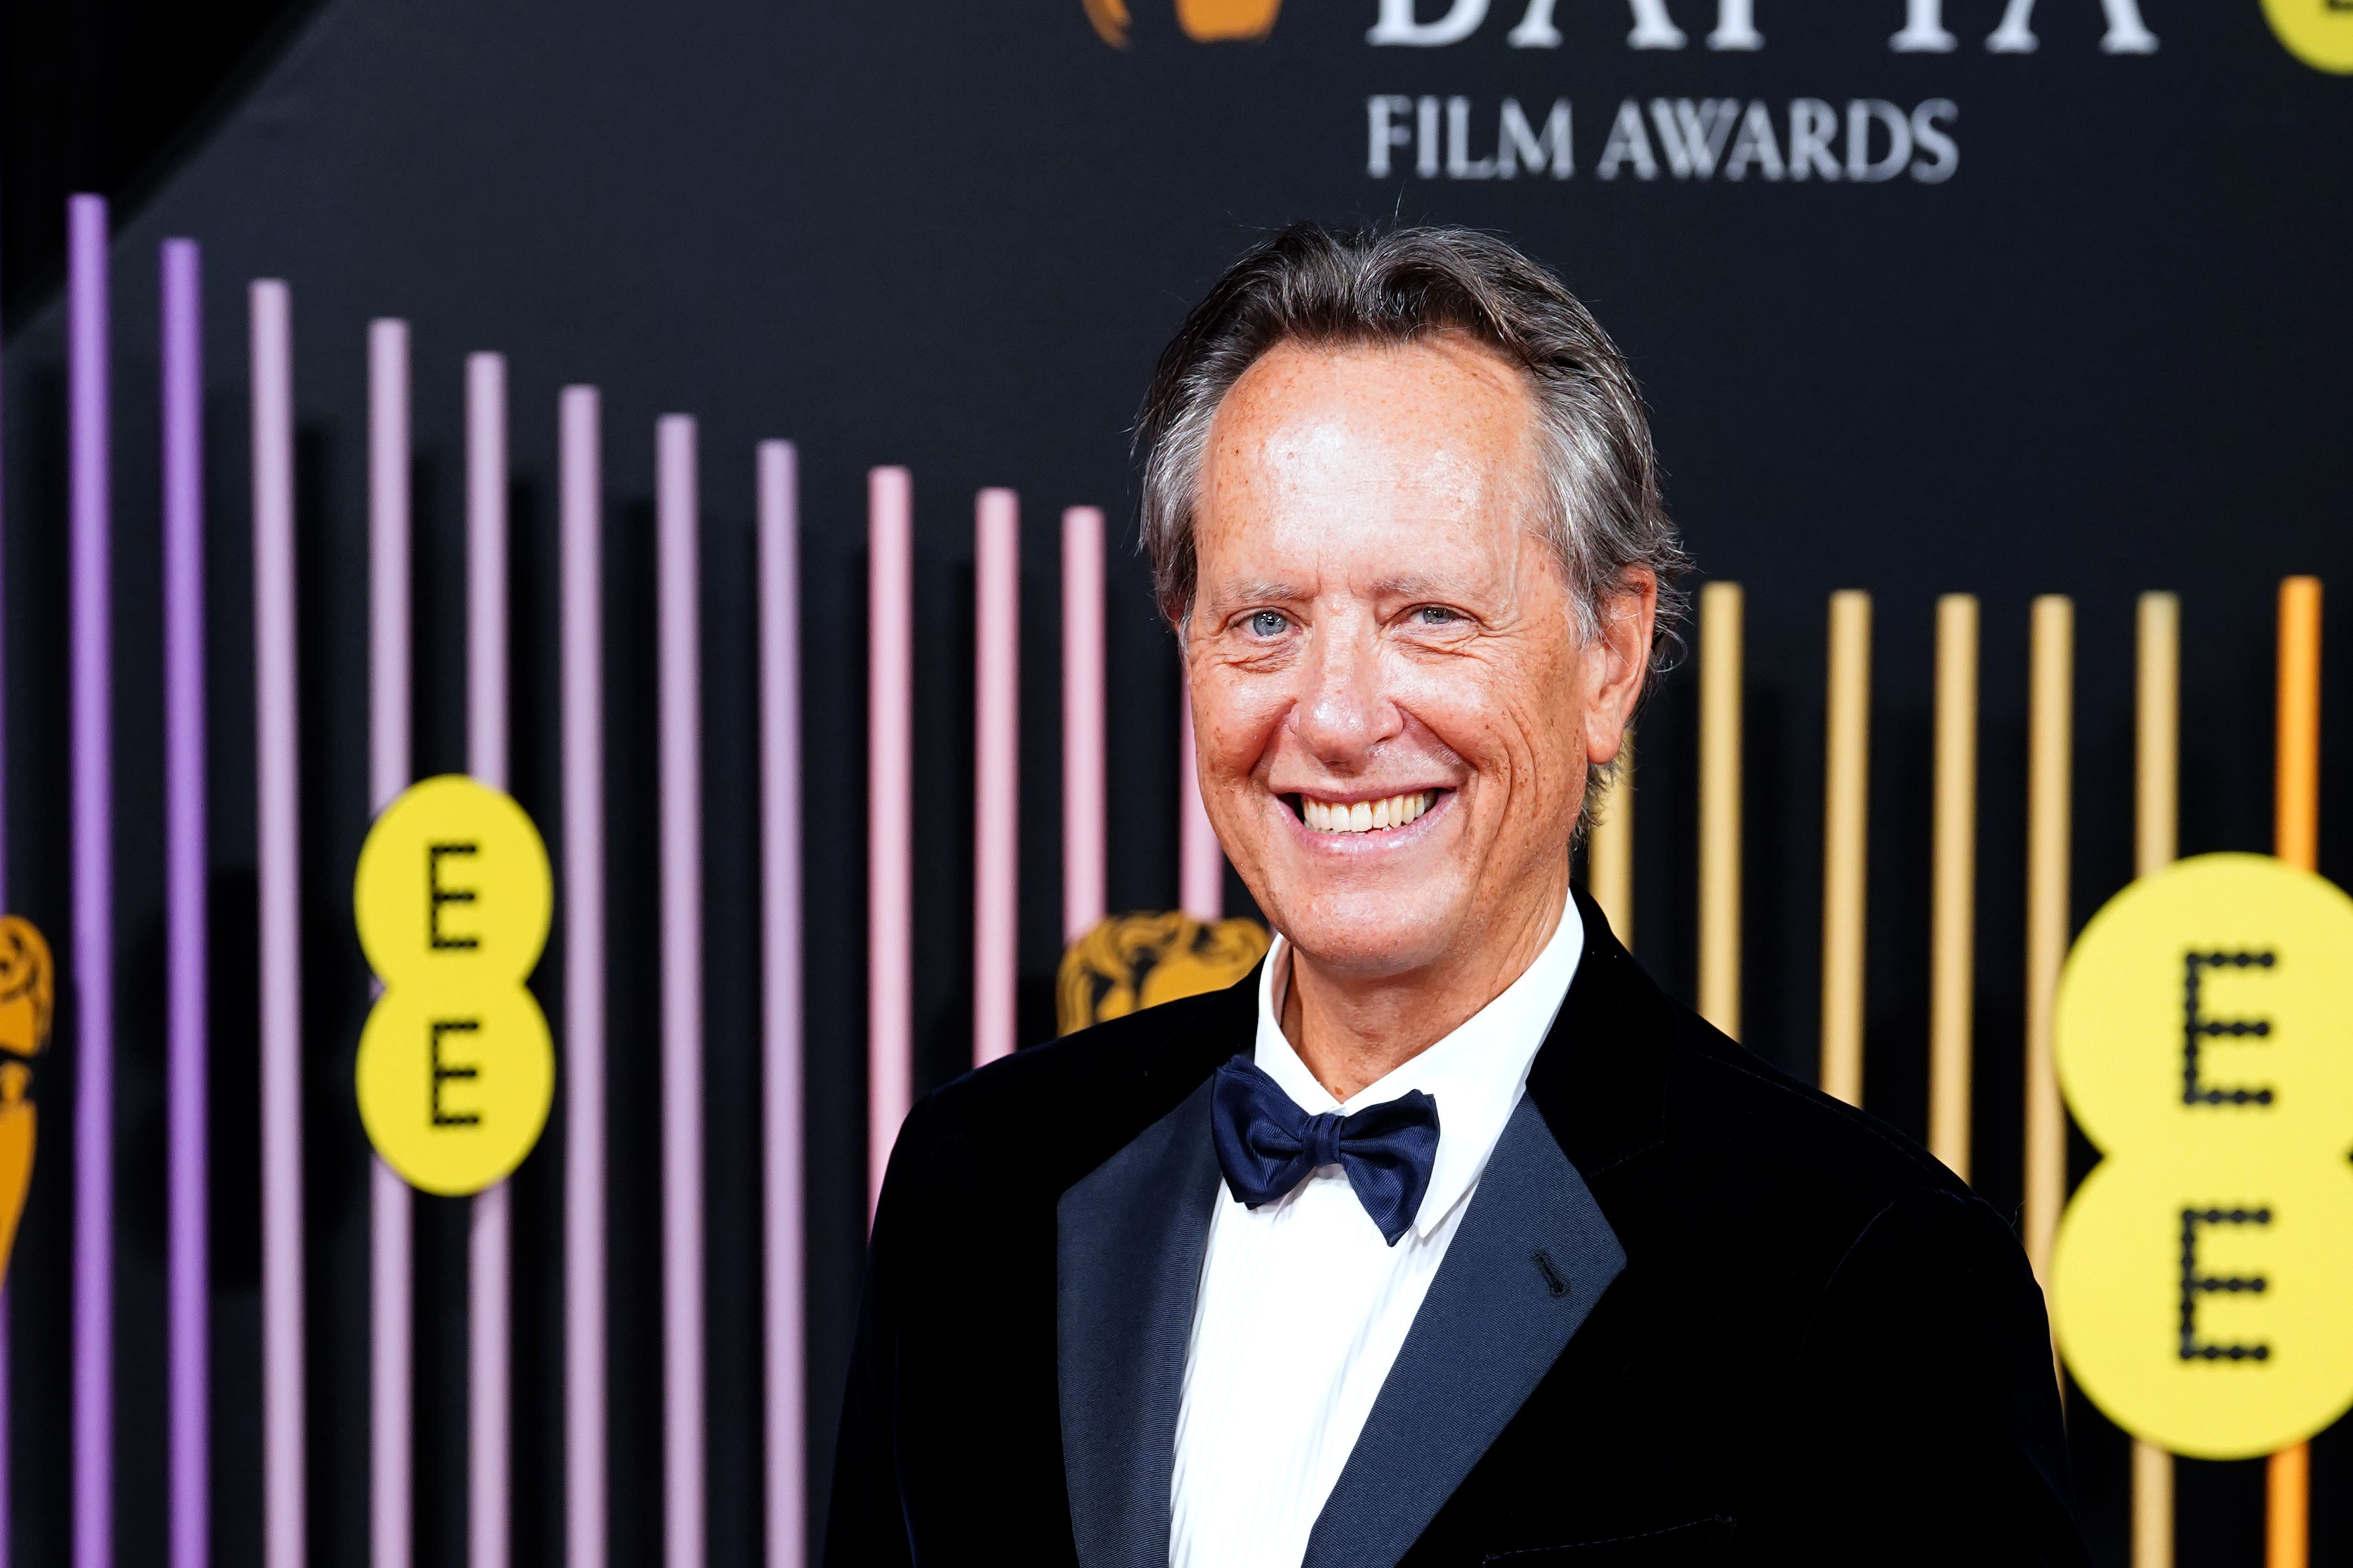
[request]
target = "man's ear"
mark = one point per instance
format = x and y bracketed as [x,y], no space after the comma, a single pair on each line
[1618,660]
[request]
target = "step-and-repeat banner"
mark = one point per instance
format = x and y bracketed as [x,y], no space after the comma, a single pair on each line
[2003,297]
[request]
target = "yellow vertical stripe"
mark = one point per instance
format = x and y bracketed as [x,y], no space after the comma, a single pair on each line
[1610,854]
[1952,952]
[1846,841]
[2049,806]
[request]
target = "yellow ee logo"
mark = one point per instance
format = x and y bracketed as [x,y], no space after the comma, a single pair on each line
[456,1066]
[2205,1043]
[2317,32]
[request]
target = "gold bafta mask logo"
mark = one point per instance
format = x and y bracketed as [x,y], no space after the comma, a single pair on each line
[27,997]
[1204,21]
[1132,961]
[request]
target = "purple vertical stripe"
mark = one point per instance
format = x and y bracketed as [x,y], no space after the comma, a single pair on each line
[780,933]
[582,569]
[389,654]
[94,885]
[678,636]
[188,1400]
[491,1261]
[486,568]
[490,1370]
[278,848]
[390,1264]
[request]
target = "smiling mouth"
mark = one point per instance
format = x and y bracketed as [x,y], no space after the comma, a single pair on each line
[1362,815]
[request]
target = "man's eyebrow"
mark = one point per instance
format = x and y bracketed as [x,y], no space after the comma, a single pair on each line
[1273,590]
[1258,590]
[1412,585]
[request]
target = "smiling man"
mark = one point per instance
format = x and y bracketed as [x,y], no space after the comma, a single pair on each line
[1445,1237]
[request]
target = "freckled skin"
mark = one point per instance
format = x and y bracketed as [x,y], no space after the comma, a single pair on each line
[1373,616]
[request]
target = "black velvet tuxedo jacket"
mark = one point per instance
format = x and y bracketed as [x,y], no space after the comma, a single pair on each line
[1696,1313]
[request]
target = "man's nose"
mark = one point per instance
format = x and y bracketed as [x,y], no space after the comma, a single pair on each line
[1344,709]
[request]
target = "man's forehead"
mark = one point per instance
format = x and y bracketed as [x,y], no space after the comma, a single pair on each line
[1402,425]
[1392,472]
[1240,588]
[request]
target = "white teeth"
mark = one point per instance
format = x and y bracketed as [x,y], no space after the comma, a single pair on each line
[1365,816]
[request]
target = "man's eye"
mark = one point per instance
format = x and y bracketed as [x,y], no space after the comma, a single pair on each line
[1267,624]
[1435,615]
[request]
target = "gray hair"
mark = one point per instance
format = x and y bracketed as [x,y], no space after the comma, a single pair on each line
[1603,513]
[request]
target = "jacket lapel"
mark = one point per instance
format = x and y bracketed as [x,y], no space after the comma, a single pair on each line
[1130,1238]
[1532,1257]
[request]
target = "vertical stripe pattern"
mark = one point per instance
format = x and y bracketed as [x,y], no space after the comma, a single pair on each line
[277,837]
[392,1268]
[676,557]
[582,633]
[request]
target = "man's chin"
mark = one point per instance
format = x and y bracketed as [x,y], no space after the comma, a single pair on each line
[1372,946]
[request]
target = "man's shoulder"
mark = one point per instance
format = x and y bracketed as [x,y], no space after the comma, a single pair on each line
[1754,1116]
[1044,1117]
[1633,1077]
[1799,1185]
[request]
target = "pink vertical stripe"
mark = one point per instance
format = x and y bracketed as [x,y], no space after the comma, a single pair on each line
[1084,803]
[188,1401]
[780,933]
[389,649]
[996,761]
[490,1423]
[677,558]
[582,569]
[91,702]
[278,850]
[486,568]
[392,1270]
[890,815]
[6,1317]
[1201,864]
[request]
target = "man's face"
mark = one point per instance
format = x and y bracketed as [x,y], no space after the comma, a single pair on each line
[1393,706]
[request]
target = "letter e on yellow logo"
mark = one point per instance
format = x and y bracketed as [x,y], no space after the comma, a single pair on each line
[456,1066]
[2204,1040]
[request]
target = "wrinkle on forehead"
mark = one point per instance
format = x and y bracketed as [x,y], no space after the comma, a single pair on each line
[1313,410]
[1315,445]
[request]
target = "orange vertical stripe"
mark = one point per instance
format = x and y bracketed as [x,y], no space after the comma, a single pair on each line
[2295,831]
[2297,808]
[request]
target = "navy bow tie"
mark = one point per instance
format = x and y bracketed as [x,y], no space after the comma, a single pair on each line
[1268,1145]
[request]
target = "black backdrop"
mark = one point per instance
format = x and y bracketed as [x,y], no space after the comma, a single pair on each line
[2109,354]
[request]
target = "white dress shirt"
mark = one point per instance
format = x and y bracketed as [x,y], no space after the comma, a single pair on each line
[1303,1307]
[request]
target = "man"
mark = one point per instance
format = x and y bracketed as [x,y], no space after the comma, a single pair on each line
[1446,1237]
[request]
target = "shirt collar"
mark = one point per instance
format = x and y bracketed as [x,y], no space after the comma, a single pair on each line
[1476,1074]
